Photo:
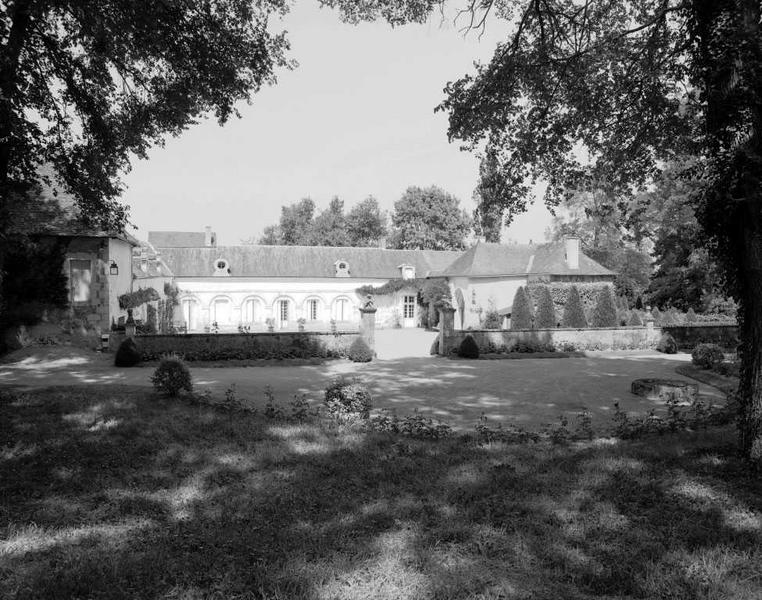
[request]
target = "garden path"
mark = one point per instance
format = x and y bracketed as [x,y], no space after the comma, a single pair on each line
[529,392]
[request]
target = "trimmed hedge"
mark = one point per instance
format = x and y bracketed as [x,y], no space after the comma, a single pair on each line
[359,351]
[128,354]
[604,314]
[546,312]
[172,376]
[574,315]
[521,311]
[468,348]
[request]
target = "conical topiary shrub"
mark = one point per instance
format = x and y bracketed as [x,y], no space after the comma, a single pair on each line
[546,312]
[468,348]
[635,320]
[657,316]
[604,314]
[574,314]
[359,351]
[690,316]
[521,312]
[128,354]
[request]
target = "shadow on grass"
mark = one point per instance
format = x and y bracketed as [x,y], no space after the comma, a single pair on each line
[111,492]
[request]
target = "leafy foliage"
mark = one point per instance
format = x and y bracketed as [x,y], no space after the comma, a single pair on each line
[574,314]
[707,356]
[429,219]
[521,311]
[128,354]
[35,281]
[546,312]
[604,314]
[138,298]
[359,351]
[347,399]
[667,344]
[364,225]
[173,376]
[468,347]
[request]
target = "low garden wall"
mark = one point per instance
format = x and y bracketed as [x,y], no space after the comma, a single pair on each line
[689,336]
[242,346]
[614,338]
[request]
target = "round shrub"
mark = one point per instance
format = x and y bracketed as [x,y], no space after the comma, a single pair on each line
[707,356]
[546,312]
[468,348]
[574,315]
[359,351]
[521,312]
[171,376]
[605,311]
[347,398]
[667,344]
[127,355]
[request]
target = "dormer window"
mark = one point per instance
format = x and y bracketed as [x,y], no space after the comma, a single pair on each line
[221,267]
[342,268]
[408,271]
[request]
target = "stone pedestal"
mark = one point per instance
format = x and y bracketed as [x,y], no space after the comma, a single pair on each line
[368,326]
[446,329]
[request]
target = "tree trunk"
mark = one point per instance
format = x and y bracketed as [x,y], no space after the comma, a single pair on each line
[750,388]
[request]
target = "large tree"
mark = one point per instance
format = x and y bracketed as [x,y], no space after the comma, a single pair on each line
[330,226]
[366,223]
[629,84]
[85,85]
[429,219]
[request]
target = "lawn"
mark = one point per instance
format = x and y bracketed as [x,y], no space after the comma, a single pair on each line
[112,492]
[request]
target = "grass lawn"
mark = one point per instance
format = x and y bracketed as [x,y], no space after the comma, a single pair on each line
[109,492]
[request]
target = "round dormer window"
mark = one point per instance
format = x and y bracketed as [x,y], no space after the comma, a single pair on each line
[342,266]
[221,264]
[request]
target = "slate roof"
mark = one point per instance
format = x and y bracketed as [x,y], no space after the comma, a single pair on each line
[302,261]
[495,260]
[177,239]
[55,212]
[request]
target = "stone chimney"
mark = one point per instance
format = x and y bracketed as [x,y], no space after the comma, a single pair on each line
[210,238]
[144,259]
[572,252]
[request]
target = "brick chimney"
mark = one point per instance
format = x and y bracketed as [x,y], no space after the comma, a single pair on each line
[572,252]
[144,259]
[210,238]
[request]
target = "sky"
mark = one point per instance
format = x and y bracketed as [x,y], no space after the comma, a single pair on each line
[354,118]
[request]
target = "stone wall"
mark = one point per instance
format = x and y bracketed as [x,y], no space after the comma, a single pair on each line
[615,338]
[242,346]
[689,336]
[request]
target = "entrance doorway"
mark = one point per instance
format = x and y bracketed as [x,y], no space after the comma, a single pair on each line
[408,311]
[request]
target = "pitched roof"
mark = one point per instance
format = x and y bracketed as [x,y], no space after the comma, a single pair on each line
[54,211]
[177,239]
[494,260]
[302,261]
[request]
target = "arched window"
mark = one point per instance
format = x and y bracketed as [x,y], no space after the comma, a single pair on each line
[251,311]
[220,311]
[311,311]
[342,309]
[190,313]
[283,311]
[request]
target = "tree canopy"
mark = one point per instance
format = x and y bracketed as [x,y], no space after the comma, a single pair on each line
[363,225]
[610,90]
[429,219]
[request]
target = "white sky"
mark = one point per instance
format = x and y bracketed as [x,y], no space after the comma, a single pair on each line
[355,118]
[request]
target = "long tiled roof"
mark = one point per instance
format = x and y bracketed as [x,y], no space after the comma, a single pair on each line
[483,260]
[495,260]
[177,239]
[302,261]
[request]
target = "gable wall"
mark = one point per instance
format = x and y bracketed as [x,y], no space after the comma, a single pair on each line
[481,294]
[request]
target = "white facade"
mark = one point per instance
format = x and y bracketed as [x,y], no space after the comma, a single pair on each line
[480,294]
[252,302]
